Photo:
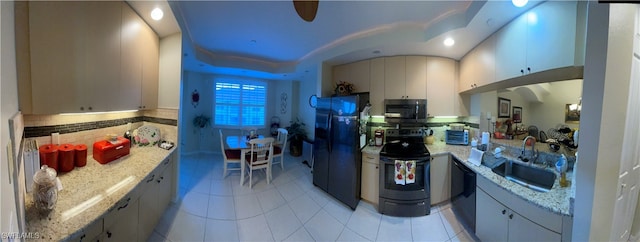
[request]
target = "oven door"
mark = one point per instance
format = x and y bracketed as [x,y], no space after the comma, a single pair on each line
[414,191]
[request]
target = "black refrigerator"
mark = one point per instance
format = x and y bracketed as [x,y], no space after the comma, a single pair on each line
[336,149]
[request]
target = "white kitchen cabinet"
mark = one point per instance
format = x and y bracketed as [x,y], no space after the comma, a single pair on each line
[156,195]
[442,98]
[71,58]
[477,68]
[416,77]
[356,73]
[491,218]
[376,86]
[150,68]
[496,222]
[87,57]
[440,181]
[541,39]
[370,178]
[91,233]
[394,77]
[126,225]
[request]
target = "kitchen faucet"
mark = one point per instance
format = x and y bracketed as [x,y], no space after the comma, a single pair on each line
[534,153]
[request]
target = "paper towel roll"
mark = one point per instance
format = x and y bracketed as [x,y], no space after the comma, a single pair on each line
[485,138]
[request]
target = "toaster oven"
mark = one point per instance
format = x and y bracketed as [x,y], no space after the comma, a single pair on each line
[457,137]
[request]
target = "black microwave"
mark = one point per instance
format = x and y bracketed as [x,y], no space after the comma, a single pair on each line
[405,110]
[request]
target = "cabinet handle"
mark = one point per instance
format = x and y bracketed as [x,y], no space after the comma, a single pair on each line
[528,70]
[522,71]
[161,178]
[82,237]
[376,167]
[511,216]
[504,211]
[151,179]
[90,108]
[81,108]
[108,234]
[127,204]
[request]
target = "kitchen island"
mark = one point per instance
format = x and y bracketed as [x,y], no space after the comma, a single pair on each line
[97,192]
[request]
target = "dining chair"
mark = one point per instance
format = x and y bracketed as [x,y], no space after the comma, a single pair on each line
[259,157]
[279,147]
[229,155]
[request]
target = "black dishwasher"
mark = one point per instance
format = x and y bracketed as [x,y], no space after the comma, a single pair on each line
[463,193]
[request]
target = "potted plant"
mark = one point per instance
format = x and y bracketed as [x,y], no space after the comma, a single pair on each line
[297,134]
[201,121]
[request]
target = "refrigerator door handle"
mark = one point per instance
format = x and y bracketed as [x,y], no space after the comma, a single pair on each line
[330,135]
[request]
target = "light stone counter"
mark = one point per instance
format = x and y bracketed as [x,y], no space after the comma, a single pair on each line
[556,200]
[90,191]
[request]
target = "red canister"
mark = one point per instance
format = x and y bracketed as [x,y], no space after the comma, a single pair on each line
[81,155]
[379,136]
[49,156]
[65,157]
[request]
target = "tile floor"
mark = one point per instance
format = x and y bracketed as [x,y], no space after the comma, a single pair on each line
[216,208]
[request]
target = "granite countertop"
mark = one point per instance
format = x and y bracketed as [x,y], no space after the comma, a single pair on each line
[90,191]
[557,200]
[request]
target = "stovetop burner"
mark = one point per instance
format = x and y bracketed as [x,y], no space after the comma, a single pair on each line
[404,149]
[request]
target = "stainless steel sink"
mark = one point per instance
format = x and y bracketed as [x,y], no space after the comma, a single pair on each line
[532,177]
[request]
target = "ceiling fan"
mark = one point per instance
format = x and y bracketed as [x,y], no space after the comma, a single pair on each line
[306,9]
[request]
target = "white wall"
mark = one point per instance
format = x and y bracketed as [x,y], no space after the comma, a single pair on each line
[208,140]
[551,112]
[517,101]
[170,63]
[605,88]
[8,107]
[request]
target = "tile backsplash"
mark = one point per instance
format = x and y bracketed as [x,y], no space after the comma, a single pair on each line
[89,128]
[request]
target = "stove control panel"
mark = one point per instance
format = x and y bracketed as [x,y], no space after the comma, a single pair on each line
[413,132]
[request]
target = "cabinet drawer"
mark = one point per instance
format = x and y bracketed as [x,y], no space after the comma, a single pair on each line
[366,157]
[89,233]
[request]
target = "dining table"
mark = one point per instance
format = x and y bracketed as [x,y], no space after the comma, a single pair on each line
[239,142]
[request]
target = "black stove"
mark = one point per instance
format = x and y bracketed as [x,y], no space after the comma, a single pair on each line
[399,196]
[404,143]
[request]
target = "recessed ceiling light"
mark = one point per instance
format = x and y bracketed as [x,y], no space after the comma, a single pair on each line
[156,14]
[449,42]
[519,3]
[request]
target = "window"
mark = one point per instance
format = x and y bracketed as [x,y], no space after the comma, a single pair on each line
[240,103]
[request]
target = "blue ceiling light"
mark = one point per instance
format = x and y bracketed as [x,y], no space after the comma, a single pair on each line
[519,3]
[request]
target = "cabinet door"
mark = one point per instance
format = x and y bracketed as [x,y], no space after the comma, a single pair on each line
[164,189]
[102,33]
[131,52]
[376,86]
[57,52]
[521,229]
[491,218]
[394,77]
[416,77]
[126,226]
[511,46]
[441,93]
[147,212]
[370,178]
[356,73]
[478,67]
[150,68]
[440,179]
[551,35]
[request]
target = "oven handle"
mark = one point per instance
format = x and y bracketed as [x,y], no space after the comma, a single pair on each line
[390,160]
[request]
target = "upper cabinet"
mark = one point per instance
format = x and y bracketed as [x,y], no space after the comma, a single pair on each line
[541,39]
[87,57]
[442,98]
[376,86]
[405,77]
[356,73]
[477,68]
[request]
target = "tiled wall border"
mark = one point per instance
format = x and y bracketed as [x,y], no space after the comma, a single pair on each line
[39,131]
[428,124]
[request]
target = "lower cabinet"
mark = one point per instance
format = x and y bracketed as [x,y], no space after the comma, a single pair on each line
[369,189]
[155,197]
[123,225]
[440,178]
[497,222]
